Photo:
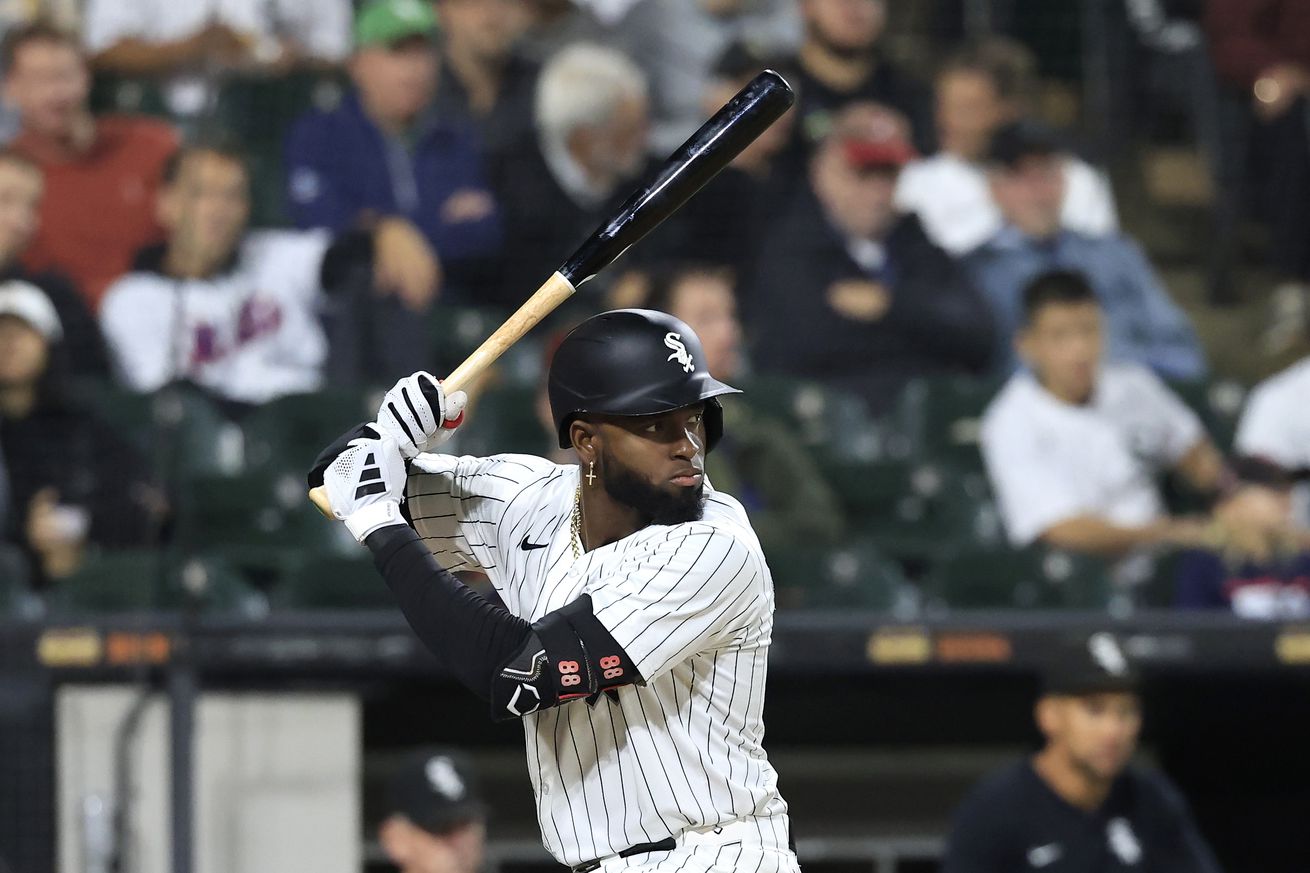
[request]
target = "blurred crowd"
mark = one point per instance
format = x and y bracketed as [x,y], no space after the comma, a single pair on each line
[263,202]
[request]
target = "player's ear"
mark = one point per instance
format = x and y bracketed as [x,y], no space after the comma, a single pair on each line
[585,436]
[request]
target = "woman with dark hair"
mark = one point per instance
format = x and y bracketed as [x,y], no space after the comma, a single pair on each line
[74,484]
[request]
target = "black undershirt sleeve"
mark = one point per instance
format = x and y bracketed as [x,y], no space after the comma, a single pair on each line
[470,635]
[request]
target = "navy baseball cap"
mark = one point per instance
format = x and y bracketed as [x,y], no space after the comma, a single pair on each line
[1017,140]
[1094,664]
[437,790]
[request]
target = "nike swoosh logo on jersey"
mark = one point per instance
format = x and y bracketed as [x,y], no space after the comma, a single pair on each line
[1042,856]
[527,546]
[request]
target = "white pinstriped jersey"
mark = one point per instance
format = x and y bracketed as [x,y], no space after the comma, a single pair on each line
[691,604]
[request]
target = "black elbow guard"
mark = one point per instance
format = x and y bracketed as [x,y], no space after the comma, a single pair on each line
[568,655]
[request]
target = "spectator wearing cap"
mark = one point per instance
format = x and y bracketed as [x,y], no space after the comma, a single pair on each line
[436,820]
[1271,578]
[677,44]
[385,161]
[186,45]
[486,80]
[842,60]
[239,313]
[845,293]
[587,149]
[982,87]
[101,173]
[1074,444]
[1078,804]
[21,185]
[1026,173]
[75,484]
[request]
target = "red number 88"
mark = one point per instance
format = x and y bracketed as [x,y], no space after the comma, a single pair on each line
[609,661]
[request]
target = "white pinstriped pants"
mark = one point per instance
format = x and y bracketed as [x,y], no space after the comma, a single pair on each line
[737,849]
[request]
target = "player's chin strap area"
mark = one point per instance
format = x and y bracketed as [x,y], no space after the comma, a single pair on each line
[519,667]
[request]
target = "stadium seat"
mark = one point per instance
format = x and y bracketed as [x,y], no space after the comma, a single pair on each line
[125,94]
[835,424]
[1035,578]
[179,428]
[941,419]
[1217,403]
[916,510]
[257,514]
[856,576]
[457,331]
[504,419]
[136,581]
[333,582]
[290,431]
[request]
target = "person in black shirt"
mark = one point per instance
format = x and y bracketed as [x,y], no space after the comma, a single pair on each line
[841,62]
[847,293]
[1077,806]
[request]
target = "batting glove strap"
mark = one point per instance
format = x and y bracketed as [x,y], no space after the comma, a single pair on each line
[373,517]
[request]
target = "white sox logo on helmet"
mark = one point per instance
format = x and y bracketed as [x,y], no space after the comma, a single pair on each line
[680,353]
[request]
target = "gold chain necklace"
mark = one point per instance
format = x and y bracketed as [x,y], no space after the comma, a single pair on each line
[576,525]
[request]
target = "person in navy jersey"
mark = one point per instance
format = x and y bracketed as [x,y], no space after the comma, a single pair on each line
[384,154]
[1077,804]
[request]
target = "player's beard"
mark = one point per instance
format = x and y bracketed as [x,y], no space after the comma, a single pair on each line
[625,485]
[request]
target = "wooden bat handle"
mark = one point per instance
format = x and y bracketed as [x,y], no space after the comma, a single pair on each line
[543,302]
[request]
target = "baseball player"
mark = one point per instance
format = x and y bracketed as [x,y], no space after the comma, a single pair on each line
[638,607]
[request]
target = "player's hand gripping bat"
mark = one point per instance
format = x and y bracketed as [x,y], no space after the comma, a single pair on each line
[699,159]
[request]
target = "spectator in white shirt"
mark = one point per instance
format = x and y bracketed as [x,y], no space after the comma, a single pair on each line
[238,313]
[1073,445]
[980,89]
[183,42]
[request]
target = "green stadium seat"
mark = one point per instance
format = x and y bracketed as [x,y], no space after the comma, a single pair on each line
[333,582]
[128,95]
[259,515]
[181,430]
[837,425]
[138,581]
[290,431]
[916,510]
[941,419]
[504,419]
[1217,403]
[856,576]
[456,331]
[1035,578]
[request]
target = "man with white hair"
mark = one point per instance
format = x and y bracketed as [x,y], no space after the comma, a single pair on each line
[588,146]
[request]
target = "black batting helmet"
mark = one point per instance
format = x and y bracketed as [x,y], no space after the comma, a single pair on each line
[632,362]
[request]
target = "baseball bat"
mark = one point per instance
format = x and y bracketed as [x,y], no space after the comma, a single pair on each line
[711,148]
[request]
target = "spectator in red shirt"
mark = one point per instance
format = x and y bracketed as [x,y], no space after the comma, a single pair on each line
[101,174]
[1262,48]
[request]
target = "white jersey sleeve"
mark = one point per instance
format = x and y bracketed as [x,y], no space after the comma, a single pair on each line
[683,590]
[457,504]
[1178,429]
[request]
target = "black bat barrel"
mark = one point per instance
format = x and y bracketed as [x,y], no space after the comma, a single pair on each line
[710,149]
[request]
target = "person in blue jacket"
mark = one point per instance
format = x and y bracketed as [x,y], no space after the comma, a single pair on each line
[383,153]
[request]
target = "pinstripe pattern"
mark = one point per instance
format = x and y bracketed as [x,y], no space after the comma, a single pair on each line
[692,605]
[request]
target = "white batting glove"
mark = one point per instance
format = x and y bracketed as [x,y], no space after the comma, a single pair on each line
[366,484]
[419,415]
